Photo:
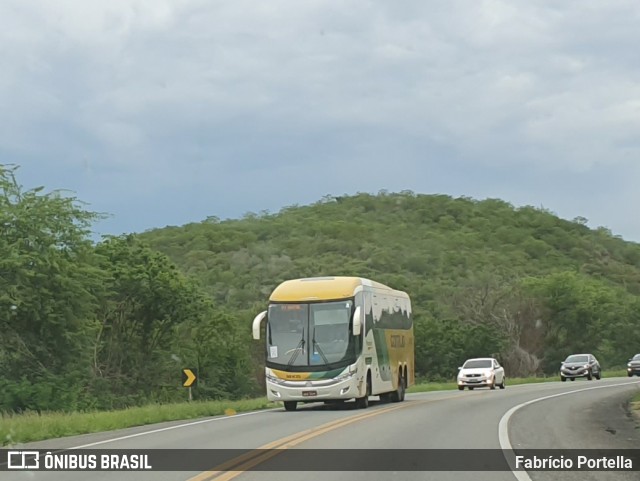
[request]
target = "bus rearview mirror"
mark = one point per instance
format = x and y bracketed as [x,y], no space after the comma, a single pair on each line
[357,321]
[256,324]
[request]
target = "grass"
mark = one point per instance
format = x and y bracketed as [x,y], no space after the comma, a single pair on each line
[440,386]
[28,427]
[23,428]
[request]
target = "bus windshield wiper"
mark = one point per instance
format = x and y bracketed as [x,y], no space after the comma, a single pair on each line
[297,350]
[317,346]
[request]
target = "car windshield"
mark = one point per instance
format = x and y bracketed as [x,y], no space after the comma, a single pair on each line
[477,363]
[577,359]
[636,357]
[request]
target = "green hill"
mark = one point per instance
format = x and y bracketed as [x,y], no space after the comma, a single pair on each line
[90,326]
[484,277]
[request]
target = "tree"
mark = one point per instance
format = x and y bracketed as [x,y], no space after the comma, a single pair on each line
[49,287]
[148,300]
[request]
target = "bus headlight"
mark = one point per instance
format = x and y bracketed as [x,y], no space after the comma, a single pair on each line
[347,375]
[274,379]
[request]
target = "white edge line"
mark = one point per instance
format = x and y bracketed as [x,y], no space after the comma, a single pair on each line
[203,421]
[503,426]
[144,433]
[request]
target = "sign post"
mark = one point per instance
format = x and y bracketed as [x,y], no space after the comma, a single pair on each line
[189,379]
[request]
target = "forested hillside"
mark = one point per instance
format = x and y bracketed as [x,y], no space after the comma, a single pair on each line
[85,326]
[99,326]
[485,277]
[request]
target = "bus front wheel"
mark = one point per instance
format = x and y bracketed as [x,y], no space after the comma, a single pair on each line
[363,402]
[290,405]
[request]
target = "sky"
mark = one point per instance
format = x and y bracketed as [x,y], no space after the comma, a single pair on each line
[165,112]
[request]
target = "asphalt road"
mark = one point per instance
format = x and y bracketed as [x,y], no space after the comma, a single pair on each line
[571,415]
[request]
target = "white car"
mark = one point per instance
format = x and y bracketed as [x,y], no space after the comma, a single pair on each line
[481,372]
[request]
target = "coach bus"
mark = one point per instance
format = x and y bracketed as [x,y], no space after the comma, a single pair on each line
[331,339]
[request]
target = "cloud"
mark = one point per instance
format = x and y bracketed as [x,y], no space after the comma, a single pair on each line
[174,95]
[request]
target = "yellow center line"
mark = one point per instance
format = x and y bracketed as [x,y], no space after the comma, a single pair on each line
[230,469]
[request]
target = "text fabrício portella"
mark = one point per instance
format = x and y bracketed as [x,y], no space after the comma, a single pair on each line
[580,462]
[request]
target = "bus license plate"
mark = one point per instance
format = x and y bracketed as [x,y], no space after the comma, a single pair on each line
[309,393]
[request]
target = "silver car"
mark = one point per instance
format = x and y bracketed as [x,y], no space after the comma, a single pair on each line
[580,365]
[481,372]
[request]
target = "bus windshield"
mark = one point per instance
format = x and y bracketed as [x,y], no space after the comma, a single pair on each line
[313,334]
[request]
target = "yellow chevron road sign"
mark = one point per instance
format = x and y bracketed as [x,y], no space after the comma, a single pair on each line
[189,377]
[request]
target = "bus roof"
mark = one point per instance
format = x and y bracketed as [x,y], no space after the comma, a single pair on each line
[322,289]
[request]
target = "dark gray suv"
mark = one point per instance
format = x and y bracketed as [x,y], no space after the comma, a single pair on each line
[580,365]
[633,367]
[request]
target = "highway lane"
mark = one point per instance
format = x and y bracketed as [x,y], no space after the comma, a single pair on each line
[585,420]
[446,419]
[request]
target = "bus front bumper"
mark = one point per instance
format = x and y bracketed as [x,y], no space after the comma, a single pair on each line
[310,392]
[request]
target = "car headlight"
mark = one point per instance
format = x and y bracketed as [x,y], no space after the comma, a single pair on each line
[488,374]
[629,365]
